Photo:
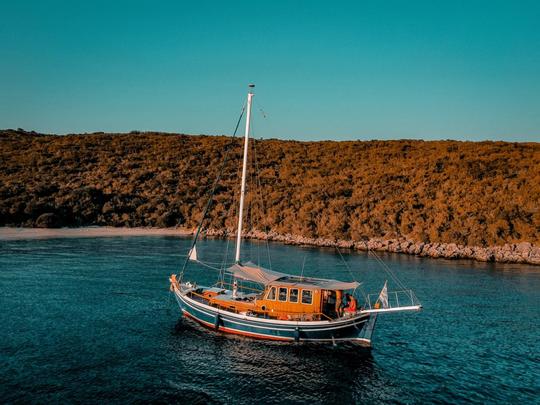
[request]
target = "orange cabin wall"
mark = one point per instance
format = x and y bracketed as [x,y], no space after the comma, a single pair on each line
[290,307]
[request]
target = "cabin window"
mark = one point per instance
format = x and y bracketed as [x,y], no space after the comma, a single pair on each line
[271,294]
[282,294]
[307,297]
[293,295]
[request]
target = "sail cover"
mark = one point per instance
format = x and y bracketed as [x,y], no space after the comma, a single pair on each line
[328,284]
[251,272]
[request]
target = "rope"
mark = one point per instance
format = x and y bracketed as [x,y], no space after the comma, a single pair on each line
[209,266]
[389,271]
[303,265]
[168,307]
[263,207]
[221,277]
[209,203]
[351,273]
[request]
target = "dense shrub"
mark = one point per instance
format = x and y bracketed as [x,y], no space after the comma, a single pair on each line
[471,193]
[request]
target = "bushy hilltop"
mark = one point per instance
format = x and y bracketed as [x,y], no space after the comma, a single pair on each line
[469,193]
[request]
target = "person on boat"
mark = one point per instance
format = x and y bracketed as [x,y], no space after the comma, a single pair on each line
[351,305]
[344,304]
[235,289]
[339,295]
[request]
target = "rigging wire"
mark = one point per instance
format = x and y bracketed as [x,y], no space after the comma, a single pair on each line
[351,273]
[168,307]
[254,221]
[226,255]
[221,276]
[258,185]
[209,203]
[303,265]
[261,110]
[208,265]
[389,271]
[263,207]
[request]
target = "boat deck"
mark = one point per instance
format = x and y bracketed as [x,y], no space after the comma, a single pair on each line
[223,299]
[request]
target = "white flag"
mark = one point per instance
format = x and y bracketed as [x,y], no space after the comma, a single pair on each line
[383,296]
[193,254]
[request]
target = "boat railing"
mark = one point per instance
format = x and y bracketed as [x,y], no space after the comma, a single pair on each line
[395,300]
[243,287]
[268,314]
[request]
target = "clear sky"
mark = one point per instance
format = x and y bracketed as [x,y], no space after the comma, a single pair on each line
[465,70]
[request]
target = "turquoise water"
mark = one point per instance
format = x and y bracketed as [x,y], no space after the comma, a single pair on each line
[90,320]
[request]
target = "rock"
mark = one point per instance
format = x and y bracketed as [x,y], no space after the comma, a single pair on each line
[523,252]
[417,248]
[362,245]
[48,220]
[524,249]
[534,255]
[345,244]
[483,255]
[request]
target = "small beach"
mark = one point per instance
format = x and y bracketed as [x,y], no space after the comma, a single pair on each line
[11,233]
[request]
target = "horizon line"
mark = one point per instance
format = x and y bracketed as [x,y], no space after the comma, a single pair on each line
[358,139]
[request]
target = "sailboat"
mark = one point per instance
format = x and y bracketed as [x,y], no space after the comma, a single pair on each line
[282,306]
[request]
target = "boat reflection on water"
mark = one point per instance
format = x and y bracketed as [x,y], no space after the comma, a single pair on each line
[273,371]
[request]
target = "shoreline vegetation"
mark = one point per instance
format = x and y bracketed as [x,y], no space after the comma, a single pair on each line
[510,253]
[475,200]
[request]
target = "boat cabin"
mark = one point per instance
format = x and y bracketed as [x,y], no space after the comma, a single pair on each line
[295,299]
[284,297]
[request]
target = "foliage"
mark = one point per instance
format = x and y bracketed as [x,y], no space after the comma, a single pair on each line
[469,193]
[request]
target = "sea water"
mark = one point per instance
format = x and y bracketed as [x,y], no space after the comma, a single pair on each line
[92,320]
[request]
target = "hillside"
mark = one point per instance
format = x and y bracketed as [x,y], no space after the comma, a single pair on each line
[468,193]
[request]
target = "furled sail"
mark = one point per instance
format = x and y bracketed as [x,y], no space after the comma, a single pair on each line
[193,253]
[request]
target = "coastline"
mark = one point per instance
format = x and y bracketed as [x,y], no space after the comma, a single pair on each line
[12,233]
[524,252]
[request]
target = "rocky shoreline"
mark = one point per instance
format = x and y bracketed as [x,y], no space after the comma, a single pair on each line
[523,252]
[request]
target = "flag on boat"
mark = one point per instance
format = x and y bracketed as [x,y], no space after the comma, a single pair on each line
[383,296]
[193,253]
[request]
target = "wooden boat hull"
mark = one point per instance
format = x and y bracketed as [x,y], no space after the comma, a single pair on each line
[356,329]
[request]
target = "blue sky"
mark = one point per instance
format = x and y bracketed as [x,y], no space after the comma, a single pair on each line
[324,70]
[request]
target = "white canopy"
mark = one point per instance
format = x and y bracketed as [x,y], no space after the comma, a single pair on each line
[251,272]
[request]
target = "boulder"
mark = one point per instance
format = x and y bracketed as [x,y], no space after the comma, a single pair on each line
[48,220]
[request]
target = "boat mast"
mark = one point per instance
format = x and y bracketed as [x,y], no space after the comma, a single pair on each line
[244,170]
